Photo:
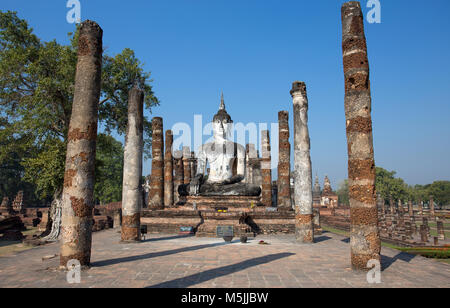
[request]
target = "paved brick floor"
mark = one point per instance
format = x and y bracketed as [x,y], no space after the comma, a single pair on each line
[174,261]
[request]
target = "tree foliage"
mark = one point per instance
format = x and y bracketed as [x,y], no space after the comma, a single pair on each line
[36,94]
[108,170]
[342,193]
[388,186]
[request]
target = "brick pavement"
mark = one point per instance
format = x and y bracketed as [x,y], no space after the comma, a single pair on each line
[176,261]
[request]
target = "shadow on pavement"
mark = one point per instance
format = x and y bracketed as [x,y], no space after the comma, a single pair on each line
[388,261]
[218,272]
[153,255]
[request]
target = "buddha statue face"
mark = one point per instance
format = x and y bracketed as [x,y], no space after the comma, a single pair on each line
[222,123]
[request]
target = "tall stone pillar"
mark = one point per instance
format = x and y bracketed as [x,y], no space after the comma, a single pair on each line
[364,235]
[187,165]
[410,208]
[440,229]
[400,207]
[179,175]
[420,204]
[432,212]
[193,165]
[304,225]
[381,207]
[266,169]
[132,168]
[78,191]
[168,171]
[284,163]
[156,197]
[391,205]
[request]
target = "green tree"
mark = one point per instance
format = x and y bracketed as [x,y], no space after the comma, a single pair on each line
[108,170]
[342,193]
[36,93]
[387,185]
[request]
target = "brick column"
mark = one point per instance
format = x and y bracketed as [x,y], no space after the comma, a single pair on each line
[440,229]
[179,174]
[266,169]
[187,165]
[364,235]
[132,168]
[284,163]
[168,171]
[304,226]
[156,197]
[78,191]
[410,208]
[432,212]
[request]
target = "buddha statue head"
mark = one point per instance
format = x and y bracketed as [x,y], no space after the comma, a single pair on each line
[222,122]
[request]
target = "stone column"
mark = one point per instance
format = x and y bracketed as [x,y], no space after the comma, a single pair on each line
[423,234]
[187,165]
[193,165]
[168,171]
[400,207]
[156,197]
[440,230]
[364,235]
[410,208]
[179,174]
[304,226]
[391,205]
[284,163]
[132,168]
[78,191]
[266,169]
[380,204]
[420,204]
[432,212]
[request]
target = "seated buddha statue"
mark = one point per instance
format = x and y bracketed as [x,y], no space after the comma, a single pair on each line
[226,161]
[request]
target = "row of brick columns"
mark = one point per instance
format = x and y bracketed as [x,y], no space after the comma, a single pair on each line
[78,189]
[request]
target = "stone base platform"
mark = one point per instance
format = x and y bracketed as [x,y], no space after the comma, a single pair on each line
[244,220]
[231,203]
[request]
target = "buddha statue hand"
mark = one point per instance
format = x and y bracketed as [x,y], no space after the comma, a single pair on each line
[234,179]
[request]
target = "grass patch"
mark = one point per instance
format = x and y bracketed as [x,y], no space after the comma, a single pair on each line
[11,247]
[442,254]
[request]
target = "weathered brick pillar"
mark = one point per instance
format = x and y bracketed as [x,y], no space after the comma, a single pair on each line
[187,165]
[284,163]
[179,174]
[78,192]
[400,207]
[440,230]
[420,204]
[193,165]
[410,208]
[266,169]
[391,205]
[423,233]
[156,197]
[380,204]
[364,235]
[432,212]
[132,168]
[168,171]
[304,225]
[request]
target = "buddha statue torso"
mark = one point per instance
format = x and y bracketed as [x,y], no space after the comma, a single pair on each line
[226,161]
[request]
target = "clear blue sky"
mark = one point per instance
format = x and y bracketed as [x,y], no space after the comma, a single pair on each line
[253,51]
